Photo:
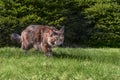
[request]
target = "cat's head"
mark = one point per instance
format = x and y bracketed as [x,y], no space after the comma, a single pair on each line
[56,37]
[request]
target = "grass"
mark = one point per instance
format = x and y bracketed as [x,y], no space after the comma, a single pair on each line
[66,64]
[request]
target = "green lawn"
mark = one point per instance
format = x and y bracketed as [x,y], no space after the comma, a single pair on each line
[66,64]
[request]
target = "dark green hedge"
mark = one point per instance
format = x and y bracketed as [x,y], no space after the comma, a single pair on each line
[94,23]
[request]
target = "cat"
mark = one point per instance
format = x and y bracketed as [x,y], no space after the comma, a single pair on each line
[40,36]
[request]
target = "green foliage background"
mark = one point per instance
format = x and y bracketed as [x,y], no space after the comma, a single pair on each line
[94,23]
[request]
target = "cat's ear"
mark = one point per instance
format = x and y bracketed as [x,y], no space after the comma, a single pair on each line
[62,29]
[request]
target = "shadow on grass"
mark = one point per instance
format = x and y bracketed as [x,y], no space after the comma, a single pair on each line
[86,57]
[72,56]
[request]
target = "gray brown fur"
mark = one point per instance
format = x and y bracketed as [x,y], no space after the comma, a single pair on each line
[16,38]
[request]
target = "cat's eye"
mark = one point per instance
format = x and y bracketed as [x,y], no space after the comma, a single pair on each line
[50,35]
[55,33]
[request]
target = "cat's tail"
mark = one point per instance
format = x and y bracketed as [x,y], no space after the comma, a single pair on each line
[16,38]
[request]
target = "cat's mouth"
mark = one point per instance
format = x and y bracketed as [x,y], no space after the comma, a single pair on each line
[52,44]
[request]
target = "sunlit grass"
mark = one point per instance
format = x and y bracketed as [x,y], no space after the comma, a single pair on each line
[66,64]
